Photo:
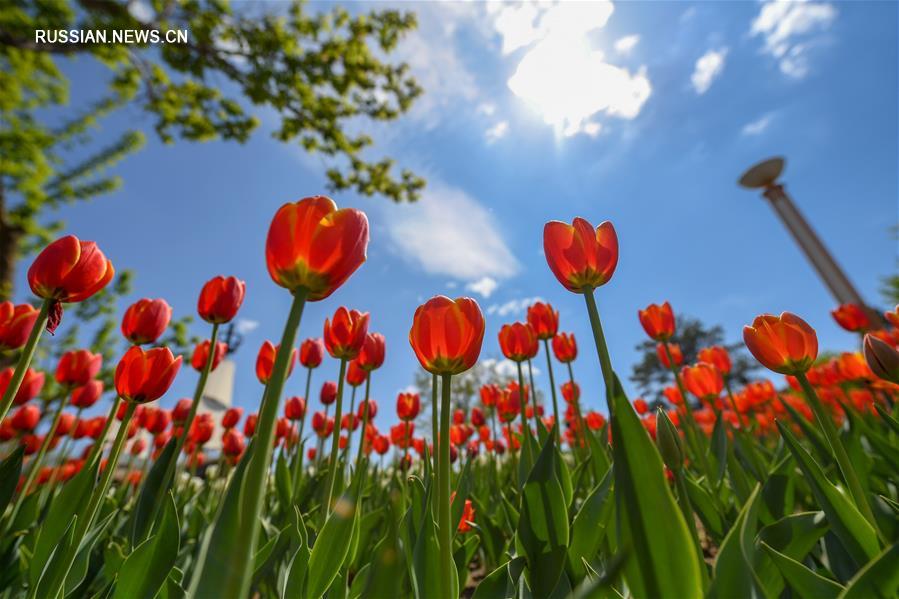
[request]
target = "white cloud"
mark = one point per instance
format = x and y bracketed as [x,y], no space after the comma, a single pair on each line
[781,22]
[450,233]
[485,286]
[245,326]
[560,75]
[505,369]
[592,128]
[758,126]
[512,307]
[497,131]
[709,66]
[625,44]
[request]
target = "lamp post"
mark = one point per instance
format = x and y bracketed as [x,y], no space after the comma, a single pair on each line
[764,176]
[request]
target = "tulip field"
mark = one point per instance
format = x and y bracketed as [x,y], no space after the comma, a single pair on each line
[783,487]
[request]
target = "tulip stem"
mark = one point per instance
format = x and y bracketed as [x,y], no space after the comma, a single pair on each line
[364,420]
[582,428]
[552,386]
[605,363]
[25,358]
[97,448]
[298,454]
[525,427]
[446,533]
[691,428]
[335,439]
[198,390]
[256,475]
[836,446]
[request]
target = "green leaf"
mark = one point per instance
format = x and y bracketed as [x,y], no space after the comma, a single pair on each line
[879,578]
[153,493]
[661,557]
[53,571]
[147,567]
[543,523]
[333,543]
[283,481]
[856,534]
[74,495]
[462,557]
[804,581]
[718,449]
[426,553]
[299,563]
[735,565]
[589,527]
[386,575]
[502,583]
[10,471]
[215,573]
[704,507]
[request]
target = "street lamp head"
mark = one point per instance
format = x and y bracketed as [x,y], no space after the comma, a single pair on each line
[762,175]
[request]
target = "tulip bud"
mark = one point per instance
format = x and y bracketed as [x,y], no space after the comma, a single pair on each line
[668,441]
[882,359]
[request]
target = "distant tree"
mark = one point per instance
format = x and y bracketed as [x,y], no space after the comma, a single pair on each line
[692,335]
[323,73]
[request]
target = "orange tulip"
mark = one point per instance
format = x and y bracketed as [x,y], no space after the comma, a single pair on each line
[408,406]
[784,344]
[16,323]
[345,333]
[144,376]
[373,349]
[565,347]
[718,357]
[544,320]
[32,383]
[893,316]
[201,355]
[69,270]
[703,380]
[581,257]
[882,358]
[518,341]
[657,321]
[852,317]
[220,299]
[641,406]
[852,367]
[312,245]
[78,367]
[312,351]
[447,335]
[676,355]
[265,361]
[146,320]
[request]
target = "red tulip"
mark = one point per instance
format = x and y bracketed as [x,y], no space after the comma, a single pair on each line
[249,425]
[16,323]
[401,434]
[408,406]
[78,367]
[26,418]
[477,417]
[676,355]
[231,417]
[312,351]
[718,357]
[144,376]
[571,392]
[490,394]
[371,357]
[157,421]
[784,344]
[294,408]
[201,428]
[544,320]
[852,317]
[201,354]
[518,341]
[657,321]
[138,446]
[220,299]
[233,443]
[69,270]
[146,320]
[87,395]
[381,444]
[313,246]
[322,425]
[265,361]
[355,375]
[581,257]
[447,334]
[893,316]
[595,421]
[181,410]
[32,383]
[328,393]
[673,395]
[565,347]
[371,406]
[703,380]
[641,406]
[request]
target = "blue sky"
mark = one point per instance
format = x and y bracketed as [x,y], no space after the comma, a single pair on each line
[644,114]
